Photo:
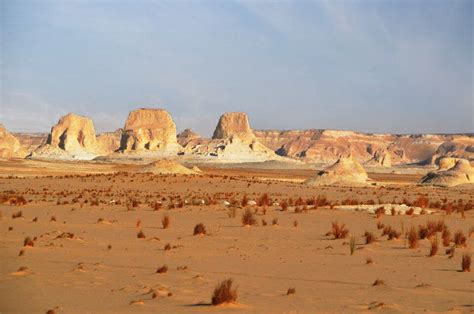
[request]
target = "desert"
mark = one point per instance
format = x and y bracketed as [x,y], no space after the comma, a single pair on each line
[236,156]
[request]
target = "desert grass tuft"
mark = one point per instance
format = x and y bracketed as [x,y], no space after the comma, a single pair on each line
[446,236]
[248,218]
[413,238]
[291,291]
[165,221]
[28,242]
[224,293]
[369,237]
[338,231]
[199,229]
[466,263]
[162,270]
[167,247]
[352,245]
[141,235]
[433,246]
[460,239]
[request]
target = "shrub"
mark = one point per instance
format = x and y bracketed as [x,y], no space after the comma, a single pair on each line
[248,218]
[28,242]
[163,269]
[165,221]
[413,238]
[434,246]
[446,236]
[460,238]
[291,291]
[245,201]
[369,237]
[264,222]
[338,231]
[141,235]
[295,223]
[284,205]
[199,229]
[352,245]
[369,260]
[263,200]
[224,293]
[167,247]
[275,221]
[17,215]
[466,263]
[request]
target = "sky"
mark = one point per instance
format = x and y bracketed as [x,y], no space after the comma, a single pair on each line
[374,66]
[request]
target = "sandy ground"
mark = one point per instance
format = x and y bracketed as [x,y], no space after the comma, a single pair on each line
[101,265]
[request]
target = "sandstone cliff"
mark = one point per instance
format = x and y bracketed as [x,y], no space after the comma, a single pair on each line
[149,130]
[10,146]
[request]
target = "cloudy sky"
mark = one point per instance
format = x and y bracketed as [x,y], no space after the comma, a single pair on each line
[377,66]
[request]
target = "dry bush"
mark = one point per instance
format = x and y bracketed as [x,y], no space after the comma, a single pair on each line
[53,218]
[369,237]
[245,201]
[451,252]
[284,205]
[291,291]
[199,229]
[167,247]
[352,245]
[264,200]
[391,233]
[295,223]
[162,270]
[433,246]
[141,235]
[232,212]
[369,260]
[338,231]
[156,206]
[380,225]
[275,221]
[466,262]
[379,212]
[378,282]
[224,293]
[422,201]
[413,238]
[165,221]
[460,239]
[248,218]
[264,222]
[446,236]
[28,242]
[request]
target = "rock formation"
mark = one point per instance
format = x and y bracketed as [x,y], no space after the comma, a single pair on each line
[233,141]
[166,166]
[381,158]
[329,145]
[446,163]
[149,130]
[189,138]
[346,171]
[73,137]
[10,146]
[234,124]
[109,142]
[461,173]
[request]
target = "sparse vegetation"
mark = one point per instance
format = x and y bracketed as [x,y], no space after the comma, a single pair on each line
[352,245]
[163,269]
[369,237]
[338,231]
[460,239]
[165,221]
[434,246]
[224,293]
[199,229]
[248,218]
[413,238]
[291,291]
[466,263]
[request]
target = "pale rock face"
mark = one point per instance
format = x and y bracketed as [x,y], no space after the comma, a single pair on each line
[73,137]
[73,133]
[381,158]
[109,142]
[446,163]
[461,173]
[346,171]
[9,145]
[149,130]
[234,124]
[189,138]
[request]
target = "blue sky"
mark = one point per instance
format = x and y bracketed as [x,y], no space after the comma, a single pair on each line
[375,66]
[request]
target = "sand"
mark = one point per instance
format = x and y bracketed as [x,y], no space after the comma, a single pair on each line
[90,259]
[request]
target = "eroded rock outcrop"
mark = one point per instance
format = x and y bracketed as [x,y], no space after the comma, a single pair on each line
[10,146]
[233,141]
[346,171]
[189,138]
[149,130]
[461,173]
[73,137]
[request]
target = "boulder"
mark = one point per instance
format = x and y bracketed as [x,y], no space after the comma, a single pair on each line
[461,173]
[346,171]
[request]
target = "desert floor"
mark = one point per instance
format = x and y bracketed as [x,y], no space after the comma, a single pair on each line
[87,256]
